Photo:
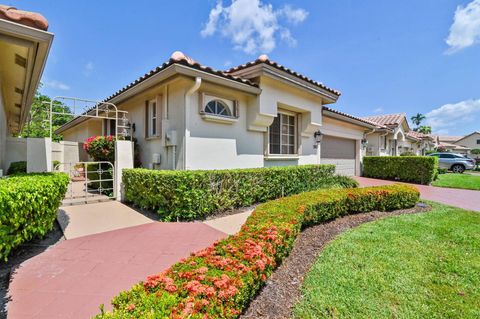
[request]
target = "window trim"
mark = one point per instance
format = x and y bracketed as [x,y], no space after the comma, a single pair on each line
[234,110]
[149,134]
[281,156]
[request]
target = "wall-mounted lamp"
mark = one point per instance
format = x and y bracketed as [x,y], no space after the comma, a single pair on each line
[364,142]
[318,137]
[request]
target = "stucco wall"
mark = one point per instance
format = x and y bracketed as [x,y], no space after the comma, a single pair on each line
[81,132]
[470,141]
[3,134]
[238,144]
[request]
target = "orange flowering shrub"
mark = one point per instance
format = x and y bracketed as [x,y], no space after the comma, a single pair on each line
[220,280]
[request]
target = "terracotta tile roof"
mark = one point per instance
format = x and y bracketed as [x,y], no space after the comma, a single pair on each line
[418,135]
[449,138]
[386,119]
[264,59]
[179,58]
[30,19]
[353,117]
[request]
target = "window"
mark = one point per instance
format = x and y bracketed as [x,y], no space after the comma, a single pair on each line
[282,134]
[152,119]
[109,127]
[217,107]
[447,156]
[478,141]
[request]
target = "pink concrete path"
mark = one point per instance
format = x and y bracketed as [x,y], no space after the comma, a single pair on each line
[463,198]
[71,279]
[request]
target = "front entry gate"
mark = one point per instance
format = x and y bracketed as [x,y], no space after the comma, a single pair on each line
[89,182]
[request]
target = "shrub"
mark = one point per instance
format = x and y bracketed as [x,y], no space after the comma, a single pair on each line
[189,195]
[100,148]
[408,153]
[442,171]
[219,281]
[414,169]
[17,168]
[28,206]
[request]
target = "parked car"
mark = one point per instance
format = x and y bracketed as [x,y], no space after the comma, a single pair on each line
[457,163]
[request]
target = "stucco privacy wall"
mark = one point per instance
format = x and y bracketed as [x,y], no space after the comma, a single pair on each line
[16,151]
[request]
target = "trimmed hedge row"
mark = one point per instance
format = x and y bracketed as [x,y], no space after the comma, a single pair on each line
[413,169]
[219,281]
[17,168]
[28,207]
[188,195]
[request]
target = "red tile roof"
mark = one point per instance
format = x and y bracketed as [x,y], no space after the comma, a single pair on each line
[386,119]
[264,59]
[353,117]
[30,19]
[179,58]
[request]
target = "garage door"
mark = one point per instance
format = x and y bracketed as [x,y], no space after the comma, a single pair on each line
[340,152]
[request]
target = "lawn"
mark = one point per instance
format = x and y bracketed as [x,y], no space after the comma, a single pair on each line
[451,180]
[411,266]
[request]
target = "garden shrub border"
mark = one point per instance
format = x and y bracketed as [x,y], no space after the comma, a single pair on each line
[28,207]
[413,169]
[219,281]
[189,195]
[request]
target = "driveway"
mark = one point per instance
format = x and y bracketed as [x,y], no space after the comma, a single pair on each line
[463,198]
[72,278]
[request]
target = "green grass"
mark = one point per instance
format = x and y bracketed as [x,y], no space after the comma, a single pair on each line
[410,266]
[464,181]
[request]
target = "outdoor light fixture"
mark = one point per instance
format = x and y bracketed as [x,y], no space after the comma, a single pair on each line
[364,142]
[318,137]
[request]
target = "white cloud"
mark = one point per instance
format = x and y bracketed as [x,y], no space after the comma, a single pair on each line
[465,30]
[378,110]
[57,85]
[453,116]
[253,26]
[88,68]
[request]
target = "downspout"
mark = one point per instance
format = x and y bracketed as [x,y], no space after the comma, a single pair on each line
[193,89]
[380,137]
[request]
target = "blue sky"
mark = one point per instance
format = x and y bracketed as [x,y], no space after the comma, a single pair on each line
[384,56]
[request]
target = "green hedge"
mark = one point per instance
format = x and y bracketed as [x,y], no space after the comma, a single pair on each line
[17,168]
[28,207]
[188,195]
[412,169]
[220,281]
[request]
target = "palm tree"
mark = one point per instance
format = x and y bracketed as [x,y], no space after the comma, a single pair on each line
[417,119]
[425,129]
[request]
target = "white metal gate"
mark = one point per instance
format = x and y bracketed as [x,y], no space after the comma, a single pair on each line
[89,182]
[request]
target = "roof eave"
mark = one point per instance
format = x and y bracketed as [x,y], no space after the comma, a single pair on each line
[345,118]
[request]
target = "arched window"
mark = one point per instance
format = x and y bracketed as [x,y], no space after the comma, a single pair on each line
[217,107]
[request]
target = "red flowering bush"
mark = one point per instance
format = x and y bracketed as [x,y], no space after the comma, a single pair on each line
[100,148]
[220,280]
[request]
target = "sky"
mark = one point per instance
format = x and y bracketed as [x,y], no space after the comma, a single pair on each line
[411,56]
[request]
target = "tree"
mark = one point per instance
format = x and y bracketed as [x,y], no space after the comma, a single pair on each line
[418,118]
[38,123]
[425,129]
[476,151]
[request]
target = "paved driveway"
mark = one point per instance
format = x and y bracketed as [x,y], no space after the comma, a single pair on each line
[463,198]
[71,279]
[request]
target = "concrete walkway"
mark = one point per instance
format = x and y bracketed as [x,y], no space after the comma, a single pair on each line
[88,219]
[463,198]
[71,279]
[229,224]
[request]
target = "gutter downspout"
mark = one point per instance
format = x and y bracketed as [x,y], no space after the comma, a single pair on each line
[193,89]
[380,138]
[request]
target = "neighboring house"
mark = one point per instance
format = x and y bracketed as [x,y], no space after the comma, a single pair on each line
[393,136]
[188,116]
[24,47]
[459,144]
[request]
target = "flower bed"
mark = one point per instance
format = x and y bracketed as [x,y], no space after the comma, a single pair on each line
[219,281]
[188,195]
[28,206]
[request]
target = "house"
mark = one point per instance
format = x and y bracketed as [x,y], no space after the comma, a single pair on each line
[393,136]
[185,115]
[24,47]
[459,144]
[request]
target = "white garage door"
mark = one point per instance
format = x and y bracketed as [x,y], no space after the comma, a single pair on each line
[340,152]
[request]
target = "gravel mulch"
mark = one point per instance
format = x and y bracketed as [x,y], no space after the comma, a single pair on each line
[22,253]
[282,290]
